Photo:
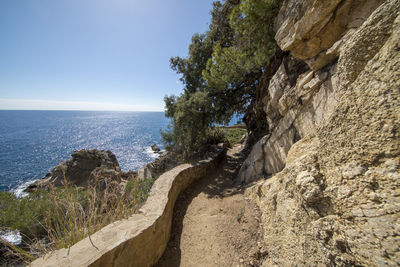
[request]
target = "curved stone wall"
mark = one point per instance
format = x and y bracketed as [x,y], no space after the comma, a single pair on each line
[141,239]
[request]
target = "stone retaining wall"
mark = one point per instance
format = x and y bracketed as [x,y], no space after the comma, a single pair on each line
[141,239]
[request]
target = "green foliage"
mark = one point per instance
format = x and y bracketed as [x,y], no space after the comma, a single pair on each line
[220,29]
[30,214]
[231,85]
[190,68]
[253,22]
[226,66]
[138,190]
[23,214]
[215,136]
[234,70]
[191,117]
[234,135]
[221,73]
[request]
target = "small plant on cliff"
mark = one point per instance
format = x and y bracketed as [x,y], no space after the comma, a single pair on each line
[137,190]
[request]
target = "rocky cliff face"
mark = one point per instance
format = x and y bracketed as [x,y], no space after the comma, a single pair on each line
[330,166]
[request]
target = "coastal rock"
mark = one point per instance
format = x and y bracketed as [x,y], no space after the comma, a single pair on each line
[281,87]
[364,43]
[305,101]
[84,168]
[166,161]
[147,172]
[155,148]
[330,193]
[312,29]
[290,201]
[278,84]
[268,156]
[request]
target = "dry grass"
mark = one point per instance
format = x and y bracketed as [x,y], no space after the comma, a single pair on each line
[69,214]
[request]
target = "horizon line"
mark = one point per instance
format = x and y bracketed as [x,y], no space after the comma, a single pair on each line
[41,104]
[81,110]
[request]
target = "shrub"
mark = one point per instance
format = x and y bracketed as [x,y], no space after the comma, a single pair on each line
[138,190]
[234,135]
[22,214]
[65,215]
[215,136]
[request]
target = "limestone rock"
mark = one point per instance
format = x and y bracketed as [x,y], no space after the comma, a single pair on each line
[287,101]
[268,155]
[336,202]
[147,172]
[366,41]
[277,86]
[306,100]
[306,88]
[281,85]
[308,186]
[300,22]
[312,30]
[291,201]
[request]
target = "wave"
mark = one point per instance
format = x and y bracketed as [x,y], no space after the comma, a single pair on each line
[19,190]
[11,236]
[151,153]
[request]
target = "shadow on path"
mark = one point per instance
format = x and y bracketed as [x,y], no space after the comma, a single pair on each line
[219,185]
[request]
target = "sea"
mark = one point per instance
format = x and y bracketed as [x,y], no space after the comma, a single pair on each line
[33,142]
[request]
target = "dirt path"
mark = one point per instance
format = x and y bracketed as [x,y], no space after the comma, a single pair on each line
[214,225]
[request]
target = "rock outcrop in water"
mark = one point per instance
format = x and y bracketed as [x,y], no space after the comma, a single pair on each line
[85,168]
[332,158]
[99,168]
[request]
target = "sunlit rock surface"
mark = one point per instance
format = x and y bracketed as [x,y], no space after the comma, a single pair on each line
[329,170]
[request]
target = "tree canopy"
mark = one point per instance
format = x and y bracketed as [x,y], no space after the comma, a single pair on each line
[221,72]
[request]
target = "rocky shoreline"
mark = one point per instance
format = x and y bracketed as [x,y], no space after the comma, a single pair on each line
[98,168]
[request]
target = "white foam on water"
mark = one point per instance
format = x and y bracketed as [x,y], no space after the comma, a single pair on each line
[151,153]
[19,191]
[13,237]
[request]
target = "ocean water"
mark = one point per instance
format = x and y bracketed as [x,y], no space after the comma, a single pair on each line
[33,142]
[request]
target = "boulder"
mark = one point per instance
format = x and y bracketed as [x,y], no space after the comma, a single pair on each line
[147,172]
[155,148]
[84,168]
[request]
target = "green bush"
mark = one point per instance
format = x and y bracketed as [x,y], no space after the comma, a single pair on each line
[233,135]
[23,214]
[215,136]
[138,190]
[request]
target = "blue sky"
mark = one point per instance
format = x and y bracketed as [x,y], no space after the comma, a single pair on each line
[94,54]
